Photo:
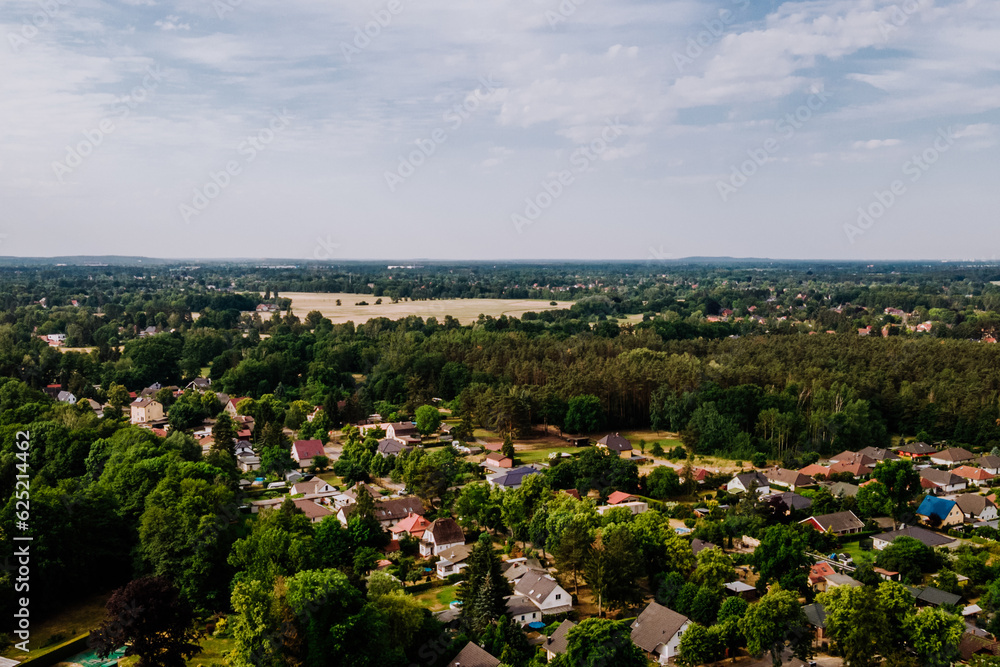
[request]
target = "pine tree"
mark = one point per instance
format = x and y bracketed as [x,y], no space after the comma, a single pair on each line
[485,591]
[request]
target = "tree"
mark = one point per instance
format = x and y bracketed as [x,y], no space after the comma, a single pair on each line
[705,605]
[856,623]
[782,551]
[934,636]
[901,481]
[714,568]
[149,618]
[599,642]
[908,556]
[874,500]
[777,621]
[584,414]
[256,637]
[663,482]
[484,592]
[319,463]
[573,546]
[428,419]
[224,434]
[698,646]
[118,396]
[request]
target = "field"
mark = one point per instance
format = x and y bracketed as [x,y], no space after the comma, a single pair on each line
[465,311]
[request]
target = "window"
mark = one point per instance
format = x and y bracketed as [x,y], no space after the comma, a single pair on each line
[559,596]
[522,618]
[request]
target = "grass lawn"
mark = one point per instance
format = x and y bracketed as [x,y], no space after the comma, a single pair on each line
[331,479]
[853,549]
[542,455]
[213,652]
[63,626]
[437,598]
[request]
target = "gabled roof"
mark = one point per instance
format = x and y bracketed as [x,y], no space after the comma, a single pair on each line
[445,531]
[844,455]
[954,454]
[536,585]
[497,456]
[815,614]
[307,449]
[879,454]
[815,469]
[934,596]
[403,428]
[311,509]
[843,580]
[792,500]
[935,505]
[988,461]
[389,446]
[514,477]
[820,571]
[473,656]
[456,554]
[414,524]
[971,503]
[838,522]
[941,477]
[615,443]
[841,488]
[391,510]
[656,625]
[700,545]
[556,643]
[917,449]
[977,474]
[748,479]
[786,477]
[928,537]
[619,497]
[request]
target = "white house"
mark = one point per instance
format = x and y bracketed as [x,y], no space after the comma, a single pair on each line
[658,631]
[544,592]
[66,397]
[303,451]
[976,507]
[744,482]
[313,486]
[522,610]
[441,535]
[636,506]
[453,560]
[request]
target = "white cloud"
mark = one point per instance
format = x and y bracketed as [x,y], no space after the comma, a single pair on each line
[873,144]
[172,23]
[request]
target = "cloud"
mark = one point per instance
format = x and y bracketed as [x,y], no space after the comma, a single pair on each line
[873,144]
[172,23]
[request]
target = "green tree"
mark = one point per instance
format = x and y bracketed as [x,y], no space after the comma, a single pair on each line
[483,593]
[901,481]
[782,551]
[873,500]
[698,646]
[584,414]
[934,636]
[714,568]
[663,482]
[774,623]
[599,642]
[428,419]
[856,623]
[908,556]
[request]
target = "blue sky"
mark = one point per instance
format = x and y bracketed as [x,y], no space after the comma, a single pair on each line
[504,129]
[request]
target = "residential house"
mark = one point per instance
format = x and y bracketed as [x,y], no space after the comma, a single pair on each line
[976,507]
[971,645]
[304,451]
[815,470]
[818,574]
[816,617]
[473,656]
[927,537]
[350,496]
[95,406]
[313,510]
[619,497]
[941,481]
[916,451]
[542,589]
[66,397]
[841,489]
[658,631]
[392,447]
[989,463]
[976,476]
[248,462]
[405,431]
[941,512]
[453,560]
[555,644]
[879,454]
[838,523]
[857,465]
[522,610]
[788,479]
[199,384]
[616,444]
[511,479]
[834,580]
[498,460]
[748,480]
[842,456]
[388,512]
[146,410]
[951,457]
[313,487]
[700,545]
[413,525]
[231,404]
[441,535]
[635,506]
[792,501]
[928,596]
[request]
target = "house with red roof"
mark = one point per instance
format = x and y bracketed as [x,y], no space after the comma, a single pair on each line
[413,525]
[303,451]
[619,497]
[231,406]
[977,476]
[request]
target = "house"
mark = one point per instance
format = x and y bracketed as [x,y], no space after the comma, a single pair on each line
[815,469]
[976,507]
[941,481]
[619,497]
[971,645]
[511,479]
[788,479]
[401,430]
[453,560]
[989,463]
[886,575]
[834,580]
[916,451]
[878,454]
[818,574]
[314,511]
[350,496]
[976,476]
[392,447]
[248,462]
[441,535]
[927,537]
[199,384]
[792,501]
[816,617]
[843,456]
[748,480]
[658,631]
[522,610]
[951,457]
[312,487]
[267,308]
[304,451]
[941,512]
[95,406]
[542,589]
[838,523]
[388,512]
[635,506]
[66,397]
[498,460]
[857,465]
[146,410]
[473,656]
[841,489]
[617,444]
[555,644]
[700,545]
[928,596]
[413,525]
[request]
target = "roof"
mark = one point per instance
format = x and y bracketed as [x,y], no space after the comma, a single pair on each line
[391,510]
[473,656]
[513,477]
[988,461]
[968,472]
[787,477]
[445,531]
[923,535]
[615,443]
[739,587]
[496,456]
[941,477]
[392,446]
[620,497]
[934,596]
[940,507]
[699,545]
[971,645]
[536,585]
[307,449]
[656,625]
[456,554]
[842,580]
[971,503]
[842,488]
[520,604]
[815,614]
[142,402]
[820,571]
[954,454]
[413,523]
[403,427]
[838,522]
[311,509]
[846,454]
[748,479]
[862,465]
[556,643]
[815,469]
[917,449]
[879,454]
[792,500]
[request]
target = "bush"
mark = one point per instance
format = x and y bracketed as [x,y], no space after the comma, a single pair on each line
[452,579]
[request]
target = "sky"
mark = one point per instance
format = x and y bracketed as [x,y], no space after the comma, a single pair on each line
[500,129]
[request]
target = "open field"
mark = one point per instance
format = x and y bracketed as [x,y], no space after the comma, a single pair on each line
[437,598]
[465,311]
